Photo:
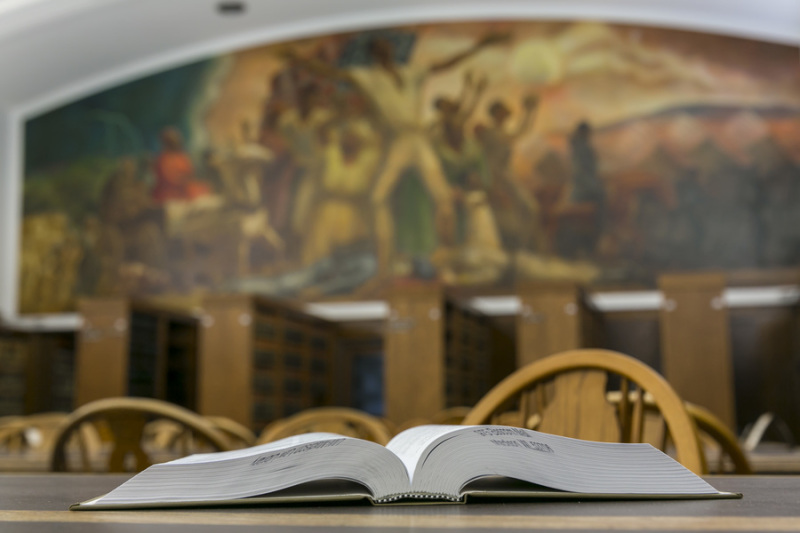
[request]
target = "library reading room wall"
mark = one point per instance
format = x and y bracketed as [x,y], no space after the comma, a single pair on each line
[470,153]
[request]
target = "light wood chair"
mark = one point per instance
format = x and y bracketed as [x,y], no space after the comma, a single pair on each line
[123,444]
[450,415]
[722,453]
[717,440]
[566,394]
[30,433]
[170,435]
[12,436]
[341,420]
[238,436]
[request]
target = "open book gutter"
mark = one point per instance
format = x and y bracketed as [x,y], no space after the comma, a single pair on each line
[426,464]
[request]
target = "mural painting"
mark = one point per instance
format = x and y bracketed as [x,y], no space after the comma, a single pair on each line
[474,154]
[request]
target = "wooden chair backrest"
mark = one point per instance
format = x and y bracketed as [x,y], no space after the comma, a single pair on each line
[566,394]
[237,435]
[12,436]
[719,445]
[341,420]
[718,439]
[30,433]
[447,416]
[122,423]
[451,415]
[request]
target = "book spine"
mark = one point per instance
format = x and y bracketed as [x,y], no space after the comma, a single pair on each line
[392,498]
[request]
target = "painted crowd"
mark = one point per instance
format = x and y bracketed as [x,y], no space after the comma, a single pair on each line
[474,154]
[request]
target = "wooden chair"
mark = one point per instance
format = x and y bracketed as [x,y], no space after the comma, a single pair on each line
[165,434]
[721,450]
[12,436]
[30,433]
[718,440]
[450,415]
[237,435]
[341,420]
[120,424]
[566,394]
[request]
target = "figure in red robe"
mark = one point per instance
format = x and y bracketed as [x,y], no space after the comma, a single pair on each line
[175,179]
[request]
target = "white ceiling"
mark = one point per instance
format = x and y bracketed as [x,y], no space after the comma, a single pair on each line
[55,51]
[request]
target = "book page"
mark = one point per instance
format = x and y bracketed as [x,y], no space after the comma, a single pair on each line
[563,463]
[262,470]
[288,442]
[411,444]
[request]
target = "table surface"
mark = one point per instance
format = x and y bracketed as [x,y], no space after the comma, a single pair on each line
[39,502]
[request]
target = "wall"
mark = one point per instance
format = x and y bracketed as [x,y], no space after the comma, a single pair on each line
[83,66]
[475,153]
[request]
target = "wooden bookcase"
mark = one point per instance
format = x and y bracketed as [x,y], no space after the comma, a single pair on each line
[468,355]
[555,316]
[361,356]
[261,360]
[437,353]
[137,348]
[36,372]
[248,358]
[13,375]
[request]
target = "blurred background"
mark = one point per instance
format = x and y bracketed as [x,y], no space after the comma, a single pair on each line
[249,208]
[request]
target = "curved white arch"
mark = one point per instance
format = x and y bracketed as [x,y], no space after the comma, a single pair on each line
[56,51]
[61,50]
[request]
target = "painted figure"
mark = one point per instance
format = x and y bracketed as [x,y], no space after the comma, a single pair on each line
[396,92]
[518,214]
[175,179]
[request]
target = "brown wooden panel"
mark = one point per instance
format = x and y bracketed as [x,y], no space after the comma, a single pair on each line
[225,358]
[695,342]
[101,365]
[550,321]
[414,369]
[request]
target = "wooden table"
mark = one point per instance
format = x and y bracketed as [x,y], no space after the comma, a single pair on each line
[38,503]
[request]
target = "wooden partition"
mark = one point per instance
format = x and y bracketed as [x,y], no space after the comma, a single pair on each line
[437,353]
[554,316]
[36,371]
[695,342]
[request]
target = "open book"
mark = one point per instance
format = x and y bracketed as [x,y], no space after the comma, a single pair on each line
[432,463]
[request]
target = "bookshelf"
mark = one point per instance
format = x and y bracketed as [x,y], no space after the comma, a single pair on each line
[136,348]
[261,359]
[36,372]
